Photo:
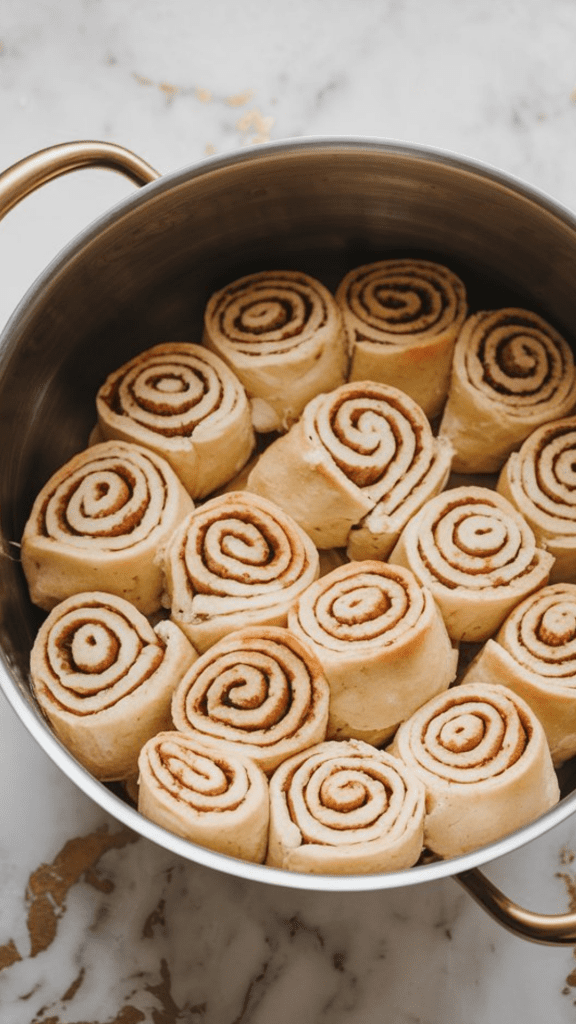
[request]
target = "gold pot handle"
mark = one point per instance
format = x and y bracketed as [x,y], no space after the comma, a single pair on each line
[550,929]
[35,170]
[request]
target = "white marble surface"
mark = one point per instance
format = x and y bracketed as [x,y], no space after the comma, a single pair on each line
[114,930]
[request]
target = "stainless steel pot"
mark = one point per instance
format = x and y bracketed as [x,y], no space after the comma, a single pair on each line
[142,274]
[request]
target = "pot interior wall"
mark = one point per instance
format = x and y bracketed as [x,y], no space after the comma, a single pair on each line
[143,274]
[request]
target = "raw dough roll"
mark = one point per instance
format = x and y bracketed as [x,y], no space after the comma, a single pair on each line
[238,560]
[540,481]
[100,523]
[363,457]
[477,556]
[376,633]
[534,653]
[484,760]
[512,371]
[261,691]
[216,798]
[185,404]
[425,476]
[402,318]
[281,332]
[345,808]
[104,678]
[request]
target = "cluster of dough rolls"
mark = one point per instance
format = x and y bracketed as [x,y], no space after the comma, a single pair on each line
[262,578]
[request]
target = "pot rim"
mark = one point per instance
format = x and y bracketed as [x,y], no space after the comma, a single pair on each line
[31,718]
[260,151]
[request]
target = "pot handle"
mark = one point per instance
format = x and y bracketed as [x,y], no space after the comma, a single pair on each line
[550,929]
[35,170]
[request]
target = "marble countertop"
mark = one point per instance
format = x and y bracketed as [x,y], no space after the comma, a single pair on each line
[96,924]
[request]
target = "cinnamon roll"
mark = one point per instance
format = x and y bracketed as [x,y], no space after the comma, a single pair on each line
[185,404]
[376,633]
[260,690]
[238,560]
[540,481]
[104,678]
[483,757]
[281,332]
[534,654]
[100,523]
[402,318]
[216,798]
[512,371]
[477,556]
[345,808]
[354,468]
[427,475]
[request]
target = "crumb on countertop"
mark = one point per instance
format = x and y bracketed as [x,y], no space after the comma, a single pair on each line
[142,79]
[254,120]
[240,98]
[168,88]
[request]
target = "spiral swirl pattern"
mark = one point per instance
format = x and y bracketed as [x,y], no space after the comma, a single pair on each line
[402,318]
[282,334]
[517,359]
[237,560]
[351,806]
[540,481]
[105,678]
[377,437]
[534,654]
[216,798]
[95,650]
[541,634]
[466,736]
[363,448]
[202,779]
[483,757]
[473,541]
[268,312]
[375,631]
[98,523]
[397,302]
[362,603]
[113,497]
[184,402]
[550,478]
[347,800]
[512,372]
[170,389]
[477,555]
[261,689]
